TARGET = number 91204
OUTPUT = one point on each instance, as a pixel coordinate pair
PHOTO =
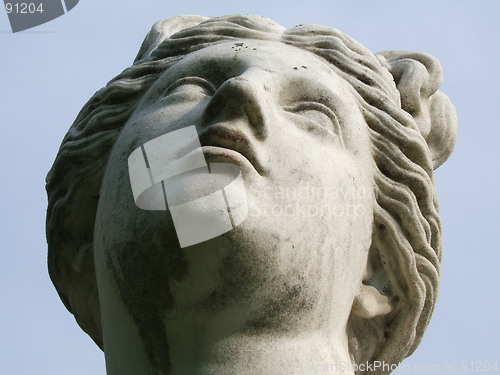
(24, 8)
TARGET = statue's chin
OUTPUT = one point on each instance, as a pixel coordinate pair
(246, 271)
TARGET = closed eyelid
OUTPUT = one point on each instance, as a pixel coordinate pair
(310, 105)
(197, 81)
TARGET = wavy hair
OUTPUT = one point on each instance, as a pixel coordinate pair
(412, 131)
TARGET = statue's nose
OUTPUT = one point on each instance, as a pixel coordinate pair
(239, 98)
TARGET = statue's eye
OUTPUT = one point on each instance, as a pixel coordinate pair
(317, 117)
(188, 89)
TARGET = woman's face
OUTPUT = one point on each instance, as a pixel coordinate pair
(295, 130)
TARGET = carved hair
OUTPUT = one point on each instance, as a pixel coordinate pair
(412, 129)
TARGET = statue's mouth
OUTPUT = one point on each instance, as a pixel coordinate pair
(205, 199)
(221, 143)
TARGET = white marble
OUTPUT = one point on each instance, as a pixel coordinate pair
(334, 267)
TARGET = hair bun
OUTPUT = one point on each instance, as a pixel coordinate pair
(418, 76)
(164, 29)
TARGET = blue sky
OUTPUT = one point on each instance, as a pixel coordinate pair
(49, 72)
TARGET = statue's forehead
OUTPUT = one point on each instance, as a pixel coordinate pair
(257, 52)
(287, 69)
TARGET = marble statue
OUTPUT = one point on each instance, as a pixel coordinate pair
(310, 161)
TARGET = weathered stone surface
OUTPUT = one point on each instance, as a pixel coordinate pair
(329, 254)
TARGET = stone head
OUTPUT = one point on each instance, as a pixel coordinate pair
(337, 147)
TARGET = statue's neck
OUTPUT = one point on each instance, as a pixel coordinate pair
(254, 334)
(261, 354)
(266, 354)
(222, 344)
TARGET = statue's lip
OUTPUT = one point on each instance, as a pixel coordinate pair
(216, 138)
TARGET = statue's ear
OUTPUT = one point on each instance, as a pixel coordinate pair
(164, 29)
(418, 76)
(81, 292)
(371, 311)
(370, 302)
